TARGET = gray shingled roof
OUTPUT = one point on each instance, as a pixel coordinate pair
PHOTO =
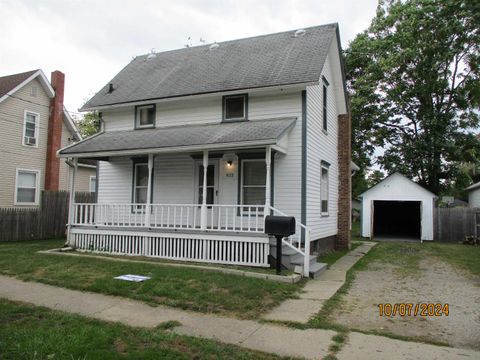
(9, 82)
(264, 131)
(262, 61)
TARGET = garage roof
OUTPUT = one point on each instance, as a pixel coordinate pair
(397, 174)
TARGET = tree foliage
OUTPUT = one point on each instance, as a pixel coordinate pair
(414, 81)
(90, 124)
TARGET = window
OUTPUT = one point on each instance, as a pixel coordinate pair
(324, 188)
(33, 91)
(210, 184)
(30, 129)
(140, 183)
(145, 116)
(325, 119)
(235, 107)
(253, 182)
(26, 192)
(93, 184)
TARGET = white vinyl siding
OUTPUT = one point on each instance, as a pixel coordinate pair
(27, 187)
(322, 146)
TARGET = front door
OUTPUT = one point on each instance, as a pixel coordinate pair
(212, 183)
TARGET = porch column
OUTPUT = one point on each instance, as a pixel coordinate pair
(149, 191)
(71, 201)
(268, 159)
(203, 213)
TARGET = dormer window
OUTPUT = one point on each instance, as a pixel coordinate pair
(235, 107)
(145, 116)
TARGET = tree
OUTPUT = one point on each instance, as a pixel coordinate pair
(90, 124)
(413, 76)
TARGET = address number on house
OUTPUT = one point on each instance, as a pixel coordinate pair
(411, 309)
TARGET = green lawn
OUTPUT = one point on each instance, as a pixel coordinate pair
(28, 332)
(186, 288)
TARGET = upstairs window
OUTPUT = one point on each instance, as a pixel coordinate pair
(30, 129)
(324, 191)
(325, 103)
(145, 116)
(235, 107)
(26, 192)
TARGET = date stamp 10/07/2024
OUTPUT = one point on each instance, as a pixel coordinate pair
(411, 309)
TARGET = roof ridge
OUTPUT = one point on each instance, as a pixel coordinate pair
(335, 24)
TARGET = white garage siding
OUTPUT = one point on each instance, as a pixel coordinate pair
(399, 188)
(474, 198)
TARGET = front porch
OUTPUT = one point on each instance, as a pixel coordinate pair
(202, 204)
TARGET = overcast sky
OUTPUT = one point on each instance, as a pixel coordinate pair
(91, 41)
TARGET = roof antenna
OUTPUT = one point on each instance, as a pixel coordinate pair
(152, 54)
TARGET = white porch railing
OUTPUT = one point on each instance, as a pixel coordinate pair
(227, 218)
(295, 241)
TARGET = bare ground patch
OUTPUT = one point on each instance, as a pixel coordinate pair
(431, 281)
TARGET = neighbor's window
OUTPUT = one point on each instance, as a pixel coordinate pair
(30, 129)
(26, 192)
(145, 116)
(235, 107)
(324, 188)
(140, 183)
(253, 182)
(93, 184)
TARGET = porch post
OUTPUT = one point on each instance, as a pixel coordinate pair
(149, 191)
(203, 213)
(268, 159)
(71, 201)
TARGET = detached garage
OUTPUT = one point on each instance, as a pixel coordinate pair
(397, 208)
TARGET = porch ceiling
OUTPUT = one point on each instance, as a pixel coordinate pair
(182, 138)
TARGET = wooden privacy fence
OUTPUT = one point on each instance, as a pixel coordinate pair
(453, 224)
(45, 222)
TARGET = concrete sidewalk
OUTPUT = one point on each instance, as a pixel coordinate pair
(284, 341)
(318, 290)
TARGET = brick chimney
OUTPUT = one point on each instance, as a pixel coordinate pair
(342, 240)
(52, 172)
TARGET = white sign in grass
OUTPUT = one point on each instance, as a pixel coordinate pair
(134, 278)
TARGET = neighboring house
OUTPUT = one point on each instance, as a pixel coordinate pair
(33, 126)
(397, 208)
(474, 195)
(200, 143)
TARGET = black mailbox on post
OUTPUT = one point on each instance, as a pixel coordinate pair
(280, 227)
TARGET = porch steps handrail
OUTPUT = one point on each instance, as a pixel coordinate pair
(298, 248)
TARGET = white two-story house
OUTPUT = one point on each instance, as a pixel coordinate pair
(200, 144)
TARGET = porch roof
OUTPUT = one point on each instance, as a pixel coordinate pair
(182, 138)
